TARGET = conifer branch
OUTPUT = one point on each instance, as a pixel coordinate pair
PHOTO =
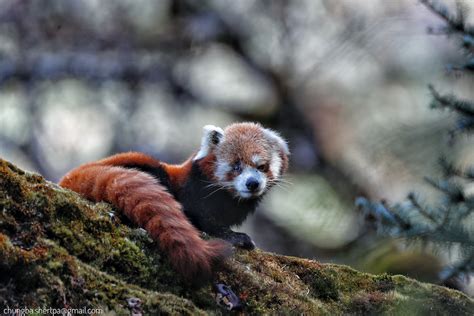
(455, 22)
(450, 170)
(463, 107)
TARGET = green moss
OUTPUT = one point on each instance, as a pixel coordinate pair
(322, 286)
(371, 303)
(56, 250)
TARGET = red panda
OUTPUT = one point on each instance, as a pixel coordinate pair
(217, 187)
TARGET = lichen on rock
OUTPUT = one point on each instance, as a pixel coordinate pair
(58, 250)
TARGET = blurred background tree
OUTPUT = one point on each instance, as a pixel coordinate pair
(449, 223)
(344, 81)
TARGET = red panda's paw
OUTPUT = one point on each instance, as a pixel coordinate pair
(243, 241)
(240, 240)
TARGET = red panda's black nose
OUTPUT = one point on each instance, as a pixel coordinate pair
(252, 184)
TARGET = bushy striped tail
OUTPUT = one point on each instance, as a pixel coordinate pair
(147, 203)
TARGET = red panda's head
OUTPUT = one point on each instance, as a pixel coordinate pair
(247, 159)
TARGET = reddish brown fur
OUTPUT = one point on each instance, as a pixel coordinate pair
(128, 158)
(147, 203)
(178, 173)
(284, 163)
(243, 141)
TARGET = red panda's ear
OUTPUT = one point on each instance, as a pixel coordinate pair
(279, 163)
(277, 140)
(212, 136)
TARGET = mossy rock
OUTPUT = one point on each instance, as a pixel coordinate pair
(58, 250)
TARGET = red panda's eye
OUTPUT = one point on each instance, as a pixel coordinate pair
(263, 168)
(236, 166)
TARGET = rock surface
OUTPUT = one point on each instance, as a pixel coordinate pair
(59, 250)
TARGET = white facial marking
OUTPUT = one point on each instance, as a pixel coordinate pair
(222, 169)
(275, 165)
(240, 182)
(207, 142)
(256, 159)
